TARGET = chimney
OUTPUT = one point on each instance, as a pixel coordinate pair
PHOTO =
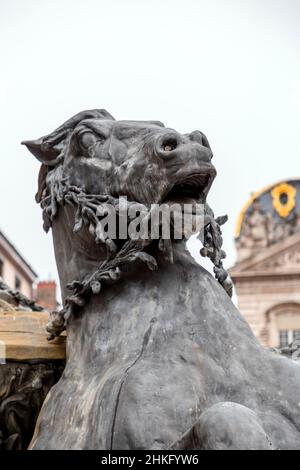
(46, 295)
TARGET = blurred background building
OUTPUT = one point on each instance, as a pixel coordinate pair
(14, 270)
(267, 272)
(19, 275)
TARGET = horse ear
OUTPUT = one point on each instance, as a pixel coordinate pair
(44, 152)
(47, 148)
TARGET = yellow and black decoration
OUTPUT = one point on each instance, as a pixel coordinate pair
(284, 199)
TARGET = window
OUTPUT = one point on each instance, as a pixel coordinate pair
(284, 338)
(296, 335)
(1, 267)
(287, 337)
(283, 321)
(18, 283)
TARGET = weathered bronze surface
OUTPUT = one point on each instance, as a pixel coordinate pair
(160, 359)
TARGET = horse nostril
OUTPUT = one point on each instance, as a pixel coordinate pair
(169, 144)
(199, 137)
(196, 136)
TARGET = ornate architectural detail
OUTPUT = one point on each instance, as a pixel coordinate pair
(270, 218)
(288, 261)
(256, 229)
(284, 199)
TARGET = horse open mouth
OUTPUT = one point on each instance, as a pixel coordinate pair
(192, 188)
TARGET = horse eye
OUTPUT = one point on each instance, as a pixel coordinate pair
(87, 140)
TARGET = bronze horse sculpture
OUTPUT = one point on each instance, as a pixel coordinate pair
(158, 357)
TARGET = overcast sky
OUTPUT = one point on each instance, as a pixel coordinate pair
(230, 68)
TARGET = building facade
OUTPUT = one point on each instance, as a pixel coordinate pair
(267, 272)
(14, 270)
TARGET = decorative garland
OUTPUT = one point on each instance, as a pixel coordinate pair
(90, 210)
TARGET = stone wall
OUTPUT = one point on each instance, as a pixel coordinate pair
(257, 297)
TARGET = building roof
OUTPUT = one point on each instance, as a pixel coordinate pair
(16, 256)
(265, 196)
(271, 216)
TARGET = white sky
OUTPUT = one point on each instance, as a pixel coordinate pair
(230, 68)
